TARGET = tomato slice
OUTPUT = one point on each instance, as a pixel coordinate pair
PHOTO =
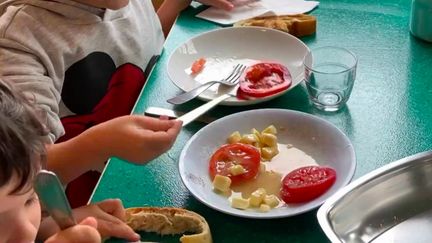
(264, 79)
(198, 65)
(229, 155)
(307, 183)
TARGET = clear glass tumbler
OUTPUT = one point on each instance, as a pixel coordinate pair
(329, 75)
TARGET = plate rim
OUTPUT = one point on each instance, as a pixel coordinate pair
(332, 201)
(346, 181)
(232, 28)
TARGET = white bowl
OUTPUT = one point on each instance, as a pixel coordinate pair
(315, 136)
(234, 44)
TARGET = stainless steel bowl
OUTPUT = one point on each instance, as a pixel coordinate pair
(390, 204)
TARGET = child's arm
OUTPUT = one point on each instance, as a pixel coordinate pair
(170, 9)
(84, 232)
(110, 216)
(23, 67)
(138, 139)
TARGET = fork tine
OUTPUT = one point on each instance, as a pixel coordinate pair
(238, 73)
(231, 80)
(233, 72)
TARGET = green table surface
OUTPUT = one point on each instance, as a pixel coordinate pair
(388, 117)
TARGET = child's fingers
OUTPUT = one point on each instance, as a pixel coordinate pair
(118, 229)
(77, 234)
(222, 4)
(168, 135)
(154, 124)
(113, 207)
(175, 129)
(164, 117)
(89, 221)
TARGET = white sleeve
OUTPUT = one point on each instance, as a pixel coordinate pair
(26, 72)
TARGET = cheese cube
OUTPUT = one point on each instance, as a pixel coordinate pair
(269, 139)
(256, 133)
(270, 129)
(240, 203)
(222, 183)
(257, 197)
(264, 208)
(237, 170)
(267, 153)
(249, 139)
(234, 137)
(271, 200)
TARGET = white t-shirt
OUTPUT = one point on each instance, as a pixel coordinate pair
(47, 44)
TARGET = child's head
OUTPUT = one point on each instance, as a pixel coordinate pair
(22, 153)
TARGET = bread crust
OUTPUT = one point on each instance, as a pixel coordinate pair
(167, 220)
(298, 25)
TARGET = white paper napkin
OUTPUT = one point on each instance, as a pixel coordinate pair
(249, 9)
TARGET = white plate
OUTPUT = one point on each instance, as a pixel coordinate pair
(315, 136)
(229, 46)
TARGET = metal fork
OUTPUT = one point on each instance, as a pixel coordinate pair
(231, 80)
(197, 112)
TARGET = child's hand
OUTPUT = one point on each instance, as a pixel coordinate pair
(182, 4)
(110, 216)
(84, 232)
(222, 4)
(136, 138)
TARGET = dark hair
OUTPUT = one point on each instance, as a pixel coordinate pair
(22, 136)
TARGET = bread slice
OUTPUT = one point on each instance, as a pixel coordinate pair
(166, 221)
(297, 25)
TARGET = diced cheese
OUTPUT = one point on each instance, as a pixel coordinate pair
(222, 183)
(267, 153)
(257, 197)
(264, 208)
(234, 137)
(249, 139)
(256, 133)
(269, 139)
(270, 129)
(240, 203)
(271, 200)
(237, 170)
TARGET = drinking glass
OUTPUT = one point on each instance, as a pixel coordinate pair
(329, 75)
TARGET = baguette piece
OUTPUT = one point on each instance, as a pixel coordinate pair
(167, 220)
(298, 25)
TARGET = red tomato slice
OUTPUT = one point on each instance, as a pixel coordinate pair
(198, 65)
(307, 183)
(229, 155)
(264, 79)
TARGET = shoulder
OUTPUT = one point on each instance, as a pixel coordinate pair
(8, 17)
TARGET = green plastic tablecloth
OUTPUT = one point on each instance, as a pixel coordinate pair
(388, 117)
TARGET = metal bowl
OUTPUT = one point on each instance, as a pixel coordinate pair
(390, 204)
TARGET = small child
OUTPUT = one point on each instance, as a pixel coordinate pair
(85, 62)
(22, 155)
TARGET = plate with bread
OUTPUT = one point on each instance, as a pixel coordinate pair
(214, 54)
